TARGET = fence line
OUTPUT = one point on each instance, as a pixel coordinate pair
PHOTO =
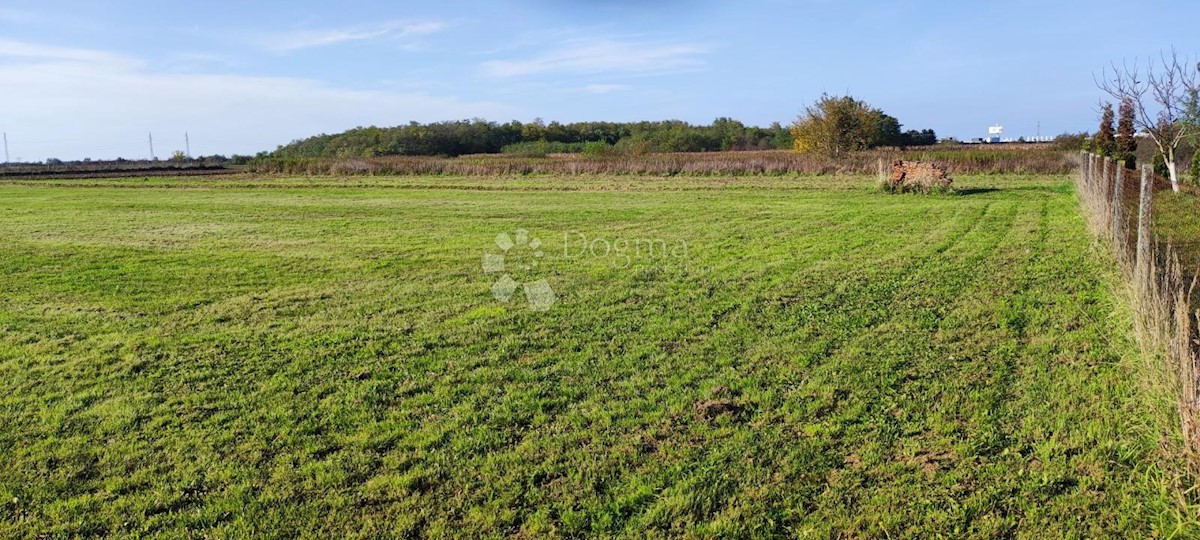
(1162, 291)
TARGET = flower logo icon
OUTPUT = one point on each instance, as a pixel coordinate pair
(518, 253)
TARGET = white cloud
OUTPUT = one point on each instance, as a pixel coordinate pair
(73, 103)
(33, 51)
(284, 42)
(603, 56)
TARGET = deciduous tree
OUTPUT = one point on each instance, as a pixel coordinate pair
(836, 126)
(1160, 95)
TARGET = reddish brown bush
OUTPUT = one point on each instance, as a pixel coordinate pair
(1028, 159)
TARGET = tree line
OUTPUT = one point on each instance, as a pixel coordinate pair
(478, 136)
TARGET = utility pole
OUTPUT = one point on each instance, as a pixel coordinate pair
(6, 147)
(187, 146)
(152, 158)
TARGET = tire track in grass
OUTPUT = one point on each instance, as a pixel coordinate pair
(879, 288)
(921, 370)
(998, 499)
(933, 270)
(1069, 420)
(652, 475)
(968, 281)
(877, 292)
(989, 485)
(830, 301)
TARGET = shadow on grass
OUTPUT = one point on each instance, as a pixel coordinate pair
(977, 191)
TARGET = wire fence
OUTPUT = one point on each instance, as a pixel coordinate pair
(1119, 206)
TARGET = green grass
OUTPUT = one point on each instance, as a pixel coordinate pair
(325, 360)
(1175, 222)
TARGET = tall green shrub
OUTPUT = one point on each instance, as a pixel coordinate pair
(1106, 141)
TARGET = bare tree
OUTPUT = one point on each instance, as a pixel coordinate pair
(1159, 95)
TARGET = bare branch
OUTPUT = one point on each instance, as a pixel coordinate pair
(1166, 85)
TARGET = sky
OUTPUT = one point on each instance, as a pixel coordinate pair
(95, 79)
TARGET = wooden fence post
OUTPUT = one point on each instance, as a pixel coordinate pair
(1086, 169)
(1142, 255)
(1106, 193)
(1091, 169)
(1118, 225)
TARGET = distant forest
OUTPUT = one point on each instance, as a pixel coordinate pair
(477, 136)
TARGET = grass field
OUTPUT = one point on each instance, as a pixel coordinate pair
(328, 359)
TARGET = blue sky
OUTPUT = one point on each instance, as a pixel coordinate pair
(92, 79)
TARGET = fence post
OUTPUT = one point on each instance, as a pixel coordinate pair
(1142, 255)
(1106, 193)
(1087, 169)
(1091, 169)
(1118, 225)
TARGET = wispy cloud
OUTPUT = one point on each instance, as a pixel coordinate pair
(284, 42)
(112, 100)
(10, 49)
(603, 56)
(195, 61)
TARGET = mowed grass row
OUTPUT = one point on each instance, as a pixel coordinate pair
(797, 363)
